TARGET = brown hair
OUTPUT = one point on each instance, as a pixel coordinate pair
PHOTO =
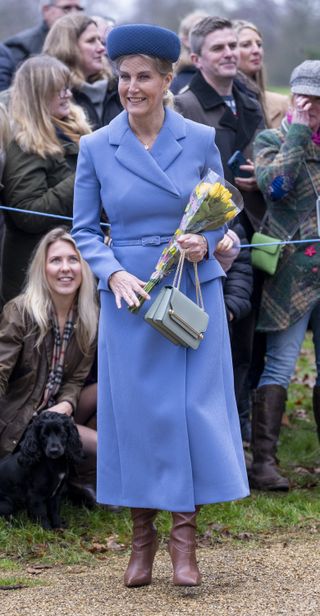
(204, 27)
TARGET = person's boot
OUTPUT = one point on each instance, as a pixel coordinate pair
(182, 549)
(267, 411)
(144, 547)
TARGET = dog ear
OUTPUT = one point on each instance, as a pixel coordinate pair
(30, 451)
(74, 446)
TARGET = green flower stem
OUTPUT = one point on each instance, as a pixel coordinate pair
(148, 288)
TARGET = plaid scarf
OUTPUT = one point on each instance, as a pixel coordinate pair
(60, 344)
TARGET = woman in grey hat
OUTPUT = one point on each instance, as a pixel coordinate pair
(168, 428)
(287, 162)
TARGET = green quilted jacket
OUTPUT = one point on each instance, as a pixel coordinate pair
(289, 193)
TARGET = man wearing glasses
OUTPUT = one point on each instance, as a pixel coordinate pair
(30, 42)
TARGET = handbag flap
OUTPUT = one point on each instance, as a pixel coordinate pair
(261, 238)
(155, 315)
(178, 318)
(188, 314)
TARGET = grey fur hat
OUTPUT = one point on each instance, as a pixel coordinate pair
(305, 78)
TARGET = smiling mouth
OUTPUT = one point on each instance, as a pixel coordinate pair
(135, 100)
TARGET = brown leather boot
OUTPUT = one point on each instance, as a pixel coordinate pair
(144, 547)
(267, 411)
(182, 549)
(316, 407)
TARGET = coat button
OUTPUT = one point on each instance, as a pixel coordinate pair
(14, 442)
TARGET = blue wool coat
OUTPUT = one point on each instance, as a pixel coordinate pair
(168, 430)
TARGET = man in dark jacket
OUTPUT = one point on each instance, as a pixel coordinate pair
(6, 67)
(213, 98)
(30, 42)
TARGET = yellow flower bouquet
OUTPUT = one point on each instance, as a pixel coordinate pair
(213, 203)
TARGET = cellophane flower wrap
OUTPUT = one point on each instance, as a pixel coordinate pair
(213, 202)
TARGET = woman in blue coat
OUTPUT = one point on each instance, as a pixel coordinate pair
(168, 431)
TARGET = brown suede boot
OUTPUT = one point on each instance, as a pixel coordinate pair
(182, 549)
(267, 411)
(144, 547)
(316, 407)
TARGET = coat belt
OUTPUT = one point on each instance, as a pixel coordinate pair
(152, 240)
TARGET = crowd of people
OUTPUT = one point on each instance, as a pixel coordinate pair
(111, 124)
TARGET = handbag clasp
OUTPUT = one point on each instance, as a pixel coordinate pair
(176, 317)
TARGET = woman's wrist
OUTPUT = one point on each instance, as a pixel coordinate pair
(111, 276)
(206, 246)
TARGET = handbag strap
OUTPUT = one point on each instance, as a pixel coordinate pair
(298, 225)
(177, 278)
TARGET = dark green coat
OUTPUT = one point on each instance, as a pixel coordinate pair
(283, 179)
(39, 184)
(24, 373)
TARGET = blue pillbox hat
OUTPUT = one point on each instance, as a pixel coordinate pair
(144, 39)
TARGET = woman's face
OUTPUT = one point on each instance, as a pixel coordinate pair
(59, 106)
(91, 50)
(251, 51)
(63, 270)
(141, 87)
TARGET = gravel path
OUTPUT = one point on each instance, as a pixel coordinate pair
(272, 579)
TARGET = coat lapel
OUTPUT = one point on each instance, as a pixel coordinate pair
(150, 166)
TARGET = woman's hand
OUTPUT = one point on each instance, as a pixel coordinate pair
(194, 245)
(225, 245)
(127, 286)
(247, 184)
(65, 408)
(300, 111)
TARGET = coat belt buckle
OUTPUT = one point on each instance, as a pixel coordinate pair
(153, 240)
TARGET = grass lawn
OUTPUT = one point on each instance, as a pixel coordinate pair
(92, 535)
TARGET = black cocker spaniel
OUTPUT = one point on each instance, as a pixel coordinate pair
(34, 475)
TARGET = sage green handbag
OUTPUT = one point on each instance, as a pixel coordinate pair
(177, 317)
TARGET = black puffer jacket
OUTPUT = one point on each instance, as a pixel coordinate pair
(238, 284)
(111, 105)
(6, 67)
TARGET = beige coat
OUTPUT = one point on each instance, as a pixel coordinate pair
(276, 108)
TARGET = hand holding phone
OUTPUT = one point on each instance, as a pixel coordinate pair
(235, 161)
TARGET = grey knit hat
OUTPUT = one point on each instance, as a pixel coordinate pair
(305, 78)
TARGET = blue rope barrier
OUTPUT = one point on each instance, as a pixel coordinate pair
(105, 224)
(284, 243)
(45, 214)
